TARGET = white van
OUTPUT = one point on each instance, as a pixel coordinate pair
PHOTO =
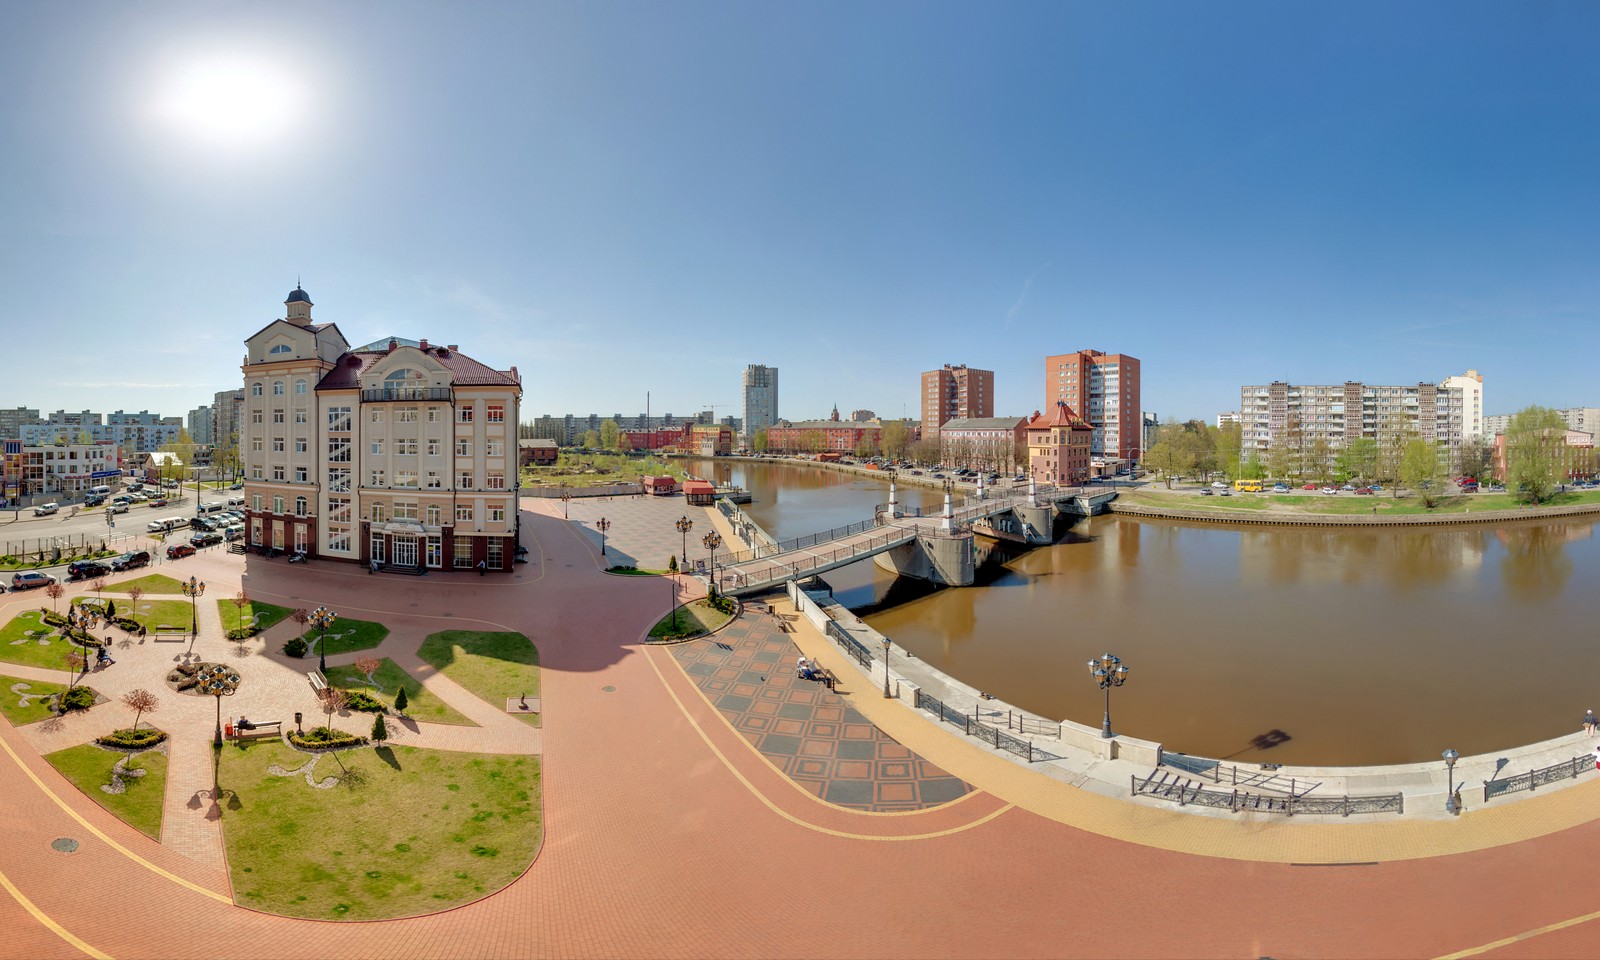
(233, 531)
(236, 501)
(170, 523)
(99, 491)
(46, 509)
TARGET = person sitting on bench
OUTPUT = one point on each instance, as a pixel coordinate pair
(105, 658)
(245, 724)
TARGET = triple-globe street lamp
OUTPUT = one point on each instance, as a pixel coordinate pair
(217, 680)
(1108, 671)
(713, 540)
(684, 525)
(322, 618)
(193, 590)
(602, 525)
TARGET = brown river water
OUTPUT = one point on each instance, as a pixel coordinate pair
(1284, 644)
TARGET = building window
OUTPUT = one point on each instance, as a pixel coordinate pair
(300, 387)
(405, 415)
(338, 451)
(255, 389)
(280, 348)
(464, 414)
(277, 445)
(377, 414)
(495, 413)
(433, 480)
(277, 474)
(406, 447)
(462, 559)
(378, 512)
(377, 448)
(299, 506)
(277, 416)
(433, 414)
(405, 510)
(433, 515)
(433, 448)
(300, 445)
(339, 540)
(277, 388)
(377, 479)
(497, 513)
(338, 510)
(377, 548)
(255, 530)
(463, 448)
(495, 480)
(255, 416)
(299, 416)
(494, 448)
(255, 501)
(255, 444)
(300, 475)
(463, 513)
(405, 478)
(277, 504)
(464, 480)
(338, 419)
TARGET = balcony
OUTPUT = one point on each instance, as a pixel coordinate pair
(387, 394)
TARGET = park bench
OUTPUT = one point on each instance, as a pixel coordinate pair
(259, 728)
(318, 681)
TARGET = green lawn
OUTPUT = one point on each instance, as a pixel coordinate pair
(594, 469)
(149, 583)
(233, 615)
(139, 805)
(1345, 503)
(495, 666)
(420, 704)
(20, 709)
(412, 831)
(16, 646)
(693, 619)
(346, 636)
(157, 613)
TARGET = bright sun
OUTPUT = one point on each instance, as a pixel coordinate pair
(228, 102)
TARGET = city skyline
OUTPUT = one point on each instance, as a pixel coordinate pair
(843, 192)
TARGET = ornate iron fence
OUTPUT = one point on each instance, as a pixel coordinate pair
(1186, 792)
(855, 648)
(972, 727)
(1534, 779)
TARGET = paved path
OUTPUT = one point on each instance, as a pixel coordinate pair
(669, 835)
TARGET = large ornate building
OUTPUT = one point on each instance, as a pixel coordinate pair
(399, 452)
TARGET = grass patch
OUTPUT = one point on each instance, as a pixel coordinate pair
(157, 613)
(495, 666)
(693, 619)
(19, 709)
(594, 469)
(635, 572)
(139, 805)
(411, 831)
(233, 616)
(19, 642)
(345, 636)
(149, 583)
(420, 704)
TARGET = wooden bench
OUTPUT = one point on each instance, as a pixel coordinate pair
(259, 728)
(318, 681)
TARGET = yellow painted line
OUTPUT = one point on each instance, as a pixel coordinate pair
(799, 789)
(141, 861)
(1519, 938)
(47, 923)
(767, 802)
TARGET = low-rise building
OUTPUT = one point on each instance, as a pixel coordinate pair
(1573, 449)
(69, 469)
(1059, 446)
(536, 453)
(984, 443)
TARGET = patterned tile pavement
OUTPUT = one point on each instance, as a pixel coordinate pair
(809, 733)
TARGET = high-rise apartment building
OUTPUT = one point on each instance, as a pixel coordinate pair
(955, 392)
(760, 398)
(200, 425)
(1470, 386)
(1586, 419)
(1300, 416)
(12, 421)
(399, 452)
(227, 408)
(1104, 389)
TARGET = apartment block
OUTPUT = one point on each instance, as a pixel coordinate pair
(760, 384)
(1470, 386)
(1301, 415)
(14, 418)
(1104, 389)
(399, 452)
(955, 392)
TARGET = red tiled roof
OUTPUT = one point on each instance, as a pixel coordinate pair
(464, 371)
(698, 486)
(1060, 416)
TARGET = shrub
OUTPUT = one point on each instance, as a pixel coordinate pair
(53, 619)
(132, 738)
(380, 732)
(293, 647)
(325, 738)
(357, 700)
(400, 701)
(188, 683)
(78, 698)
(241, 633)
(188, 669)
(127, 625)
(721, 604)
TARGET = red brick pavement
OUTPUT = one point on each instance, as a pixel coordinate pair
(666, 836)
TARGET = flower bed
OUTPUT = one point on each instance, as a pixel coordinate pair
(132, 739)
(360, 700)
(325, 738)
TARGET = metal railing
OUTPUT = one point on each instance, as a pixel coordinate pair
(795, 567)
(1534, 779)
(800, 543)
(386, 394)
(1214, 771)
(973, 727)
(60, 548)
(855, 648)
(1162, 785)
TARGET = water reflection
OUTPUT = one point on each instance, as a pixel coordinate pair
(1356, 645)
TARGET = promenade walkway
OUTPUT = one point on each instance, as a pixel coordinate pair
(670, 835)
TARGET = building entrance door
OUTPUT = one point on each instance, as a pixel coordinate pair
(405, 551)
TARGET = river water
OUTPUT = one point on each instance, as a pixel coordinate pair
(1284, 644)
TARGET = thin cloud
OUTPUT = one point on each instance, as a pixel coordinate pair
(1022, 298)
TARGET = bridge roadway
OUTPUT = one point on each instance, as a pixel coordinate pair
(766, 567)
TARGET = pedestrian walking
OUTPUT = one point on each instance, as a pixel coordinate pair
(1590, 722)
(482, 566)
(1597, 757)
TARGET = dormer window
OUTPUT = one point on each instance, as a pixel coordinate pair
(281, 348)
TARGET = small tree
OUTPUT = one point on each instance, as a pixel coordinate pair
(400, 701)
(76, 660)
(54, 591)
(134, 593)
(380, 732)
(333, 700)
(140, 701)
(99, 586)
(368, 666)
(111, 610)
(239, 600)
(1419, 468)
(672, 564)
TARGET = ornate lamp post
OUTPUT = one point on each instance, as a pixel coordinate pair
(886, 695)
(78, 619)
(684, 525)
(193, 589)
(566, 498)
(217, 680)
(1108, 671)
(713, 540)
(602, 525)
(322, 618)
(1450, 758)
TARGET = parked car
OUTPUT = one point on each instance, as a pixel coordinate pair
(1363, 491)
(1207, 492)
(28, 579)
(1225, 492)
(116, 508)
(237, 486)
(1280, 488)
(160, 502)
(1309, 486)
(46, 509)
(206, 539)
(180, 550)
(1376, 488)
(1218, 485)
(1330, 490)
(1348, 487)
(84, 569)
(137, 497)
(94, 501)
(124, 499)
(131, 559)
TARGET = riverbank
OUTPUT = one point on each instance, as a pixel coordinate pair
(1289, 509)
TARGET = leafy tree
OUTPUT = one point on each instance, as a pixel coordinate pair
(1163, 458)
(1535, 446)
(1319, 460)
(1393, 435)
(1475, 458)
(591, 439)
(141, 702)
(1281, 457)
(380, 732)
(1419, 468)
(54, 591)
(1229, 442)
(758, 443)
(400, 701)
(894, 438)
(367, 666)
(1359, 458)
(1253, 468)
(609, 432)
(864, 448)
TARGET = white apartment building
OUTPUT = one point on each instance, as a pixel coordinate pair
(1270, 414)
(69, 469)
(1586, 419)
(1223, 419)
(399, 452)
(760, 398)
(1470, 384)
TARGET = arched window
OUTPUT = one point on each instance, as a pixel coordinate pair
(299, 506)
(255, 389)
(277, 388)
(299, 387)
(405, 373)
(281, 348)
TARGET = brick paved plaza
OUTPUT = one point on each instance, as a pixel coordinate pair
(698, 803)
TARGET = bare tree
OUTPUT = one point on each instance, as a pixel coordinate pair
(54, 591)
(239, 600)
(368, 666)
(333, 700)
(140, 701)
(76, 661)
(99, 587)
(134, 593)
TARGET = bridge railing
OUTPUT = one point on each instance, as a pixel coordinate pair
(794, 567)
(800, 543)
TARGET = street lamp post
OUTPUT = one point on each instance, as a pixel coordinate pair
(602, 525)
(217, 680)
(684, 525)
(566, 498)
(886, 695)
(193, 589)
(1450, 758)
(713, 540)
(322, 618)
(1108, 671)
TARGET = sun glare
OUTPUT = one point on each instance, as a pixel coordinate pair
(229, 103)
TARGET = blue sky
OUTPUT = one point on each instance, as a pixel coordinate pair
(648, 196)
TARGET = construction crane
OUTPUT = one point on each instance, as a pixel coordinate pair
(713, 408)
